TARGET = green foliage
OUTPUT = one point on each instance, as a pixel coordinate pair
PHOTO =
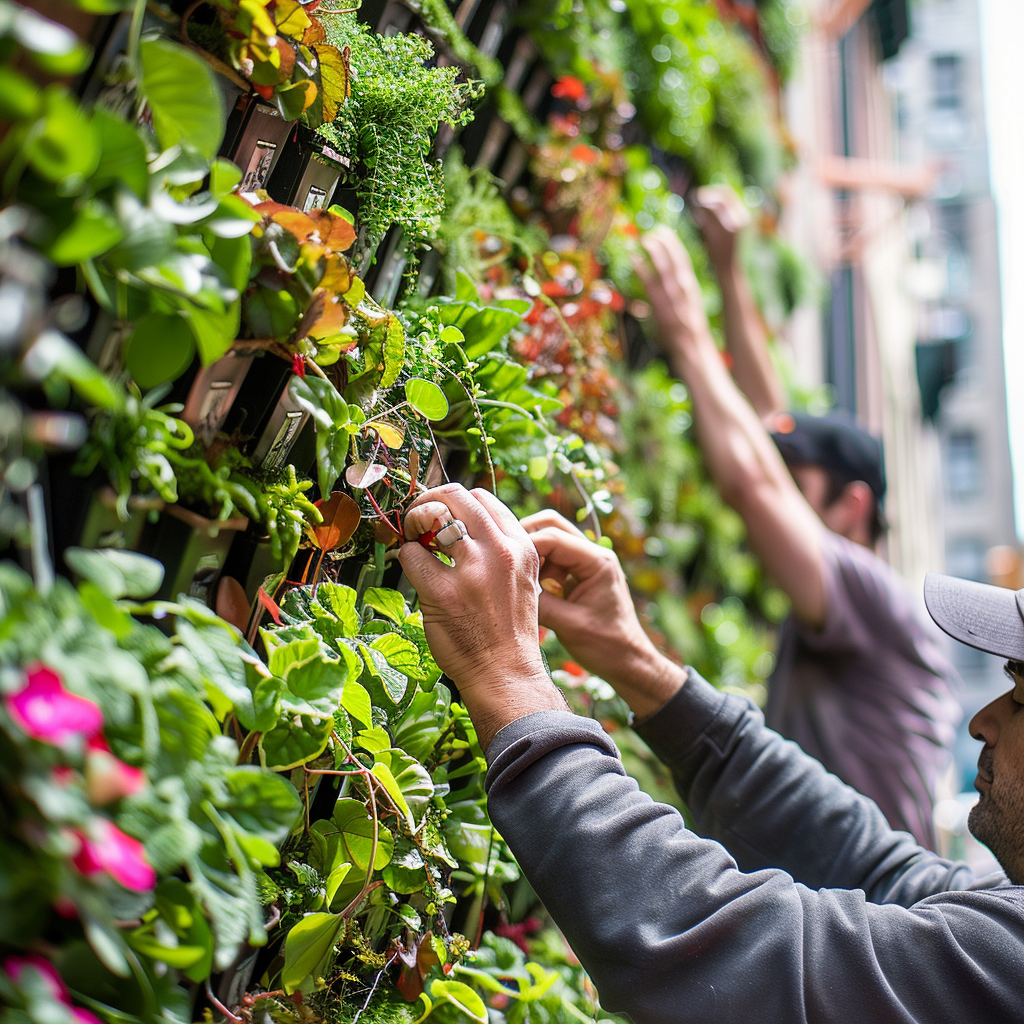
(387, 129)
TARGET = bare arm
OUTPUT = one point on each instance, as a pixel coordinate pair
(783, 530)
(721, 217)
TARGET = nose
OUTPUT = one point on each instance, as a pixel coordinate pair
(985, 724)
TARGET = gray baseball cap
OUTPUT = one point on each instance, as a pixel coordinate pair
(977, 614)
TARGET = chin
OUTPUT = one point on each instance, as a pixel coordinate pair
(980, 826)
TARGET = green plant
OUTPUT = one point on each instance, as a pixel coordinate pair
(387, 129)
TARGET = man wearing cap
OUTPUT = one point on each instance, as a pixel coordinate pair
(796, 902)
(861, 679)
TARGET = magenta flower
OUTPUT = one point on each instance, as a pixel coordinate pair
(108, 849)
(48, 712)
(15, 967)
(107, 778)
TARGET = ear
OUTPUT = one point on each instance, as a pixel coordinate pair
(853, 511)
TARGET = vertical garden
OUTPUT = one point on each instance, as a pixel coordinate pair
(268, 269)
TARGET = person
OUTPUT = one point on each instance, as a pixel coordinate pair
(799, 903)
(861, 680)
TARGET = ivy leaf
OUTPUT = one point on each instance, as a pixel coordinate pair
(393, 683)
(412, 779)
(401, 653)
(308, 950)
(426, 398)
(355, 833)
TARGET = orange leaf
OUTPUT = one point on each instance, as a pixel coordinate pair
(338, 276)
(296, 222)
(270, 604)
(341, 517)
(331, 320)
(334, 230)
(316, 33)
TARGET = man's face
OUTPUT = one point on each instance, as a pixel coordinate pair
(813, 484)
(997, 820)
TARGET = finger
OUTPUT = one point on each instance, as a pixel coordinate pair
(575, 555)
(462, 505)
(424, 570)
(560, 615)
(425, 518)
(502, 515)
(548, 517)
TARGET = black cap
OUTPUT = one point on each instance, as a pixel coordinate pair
(834, 443)
(977, 614)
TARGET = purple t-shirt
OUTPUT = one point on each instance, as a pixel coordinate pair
(871, 695)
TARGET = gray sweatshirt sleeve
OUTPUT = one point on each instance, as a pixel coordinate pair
(671, 930)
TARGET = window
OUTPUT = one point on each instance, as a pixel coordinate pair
(946, 73)
(965, 557)
(963, 468)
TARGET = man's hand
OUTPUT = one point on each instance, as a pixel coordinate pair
(596, 620)
(721, 216)
(673, 291)
(480, 614)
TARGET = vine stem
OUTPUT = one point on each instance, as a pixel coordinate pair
(247, 747)
(219, 1005)
(373, 987)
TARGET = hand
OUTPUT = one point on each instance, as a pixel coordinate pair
(596, 620)
(721, 216)
(480, 614)
(673, 290)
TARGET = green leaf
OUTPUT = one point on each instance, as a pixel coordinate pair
(374, 739)
(159, 349)
(426, 398)
(192, 116)
(355, 834)
(394, 351)
(356, 701)
(330, 412)
(382, 773)
(117, 573)
(93, 231)
(19, 97)
(308, 950)
(234, 257)
(334, 880)
(340, 601)
(461, 996)
(392, 683)
(401, 654)
(63, 145)
(122, 154)
(213, 330)
(295, 741)
(390, 603)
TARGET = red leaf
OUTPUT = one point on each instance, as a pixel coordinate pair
(341, 517)
(270, 604)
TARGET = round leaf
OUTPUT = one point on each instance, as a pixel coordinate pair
(159, 349)
(426, 398)
(365, 474)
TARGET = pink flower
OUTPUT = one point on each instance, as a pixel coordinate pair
(15, 967)
(48, 712)
(120, 856)
(107, 778)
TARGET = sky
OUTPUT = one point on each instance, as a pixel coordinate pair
(1002, 27)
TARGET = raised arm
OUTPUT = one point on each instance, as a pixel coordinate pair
(721, 217)
(782, 529)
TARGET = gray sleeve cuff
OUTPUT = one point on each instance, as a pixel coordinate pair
(529, 738)
(697, 711)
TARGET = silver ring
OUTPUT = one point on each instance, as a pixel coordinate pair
(451, 533)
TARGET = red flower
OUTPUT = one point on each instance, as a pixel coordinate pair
(569, 88)
(585, 154)
(48, 712)
(298, 365)
(108, 849)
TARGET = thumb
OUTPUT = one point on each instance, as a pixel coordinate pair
(421, 567)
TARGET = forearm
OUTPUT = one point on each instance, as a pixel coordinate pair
(500, 696)
(672, 933)
(747, 342)
(738, 451)
(762, 797)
